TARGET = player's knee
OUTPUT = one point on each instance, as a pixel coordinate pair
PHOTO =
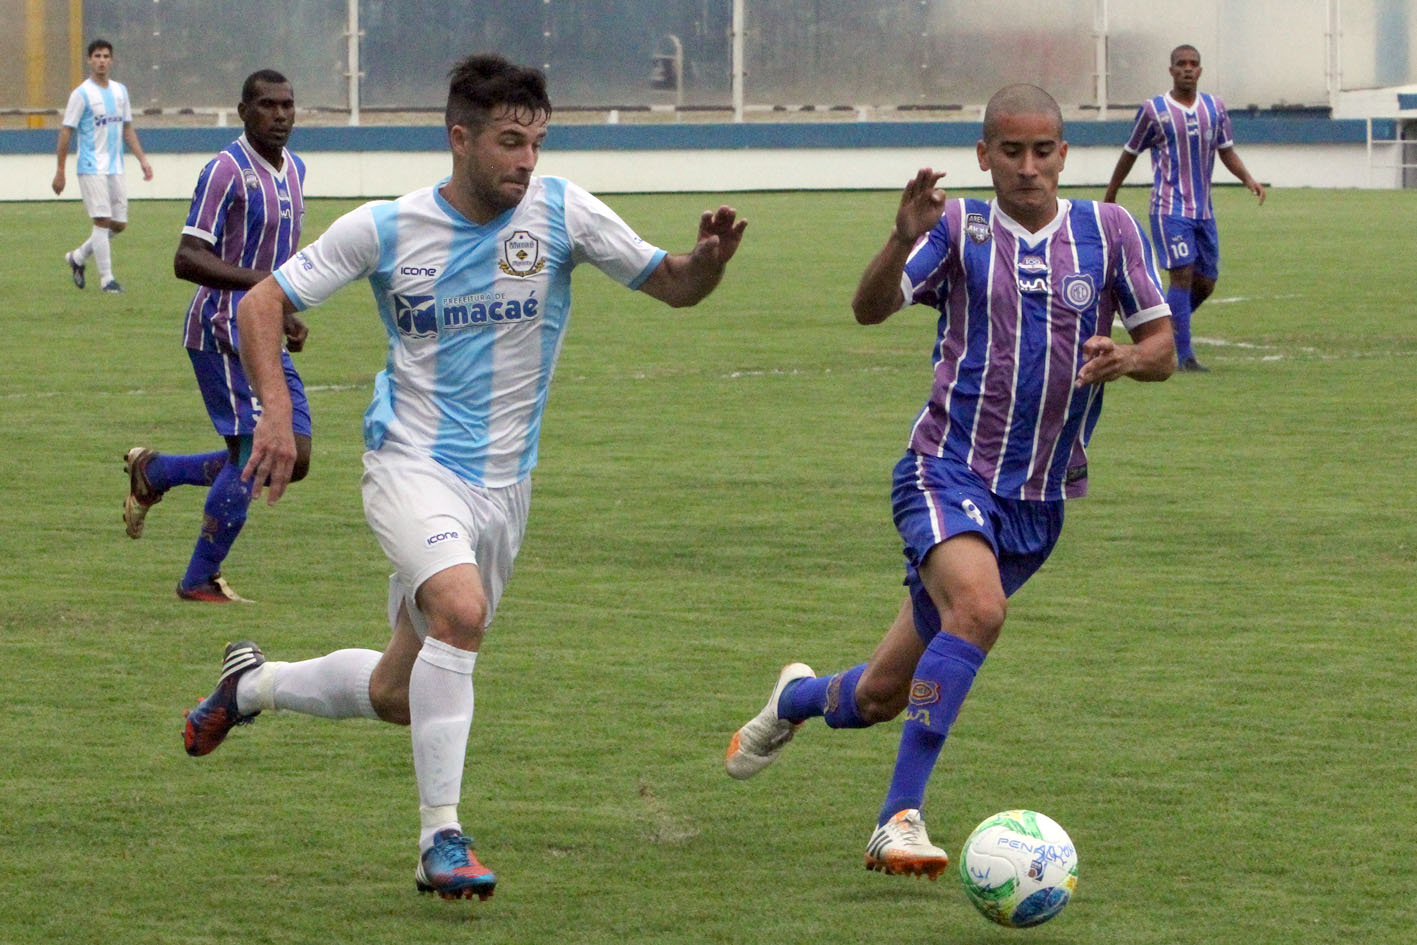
(460, 623)
(115, 227)
(389, 699)
(877, 703)
(979, 618)
(1201, 289)
(302, 459)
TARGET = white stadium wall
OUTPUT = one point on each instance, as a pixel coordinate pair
(386, 161)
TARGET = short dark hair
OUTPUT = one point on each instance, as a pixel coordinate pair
(482, 83)
(99, 43)
(1185, 46)
(268, 76)
(1019, 100)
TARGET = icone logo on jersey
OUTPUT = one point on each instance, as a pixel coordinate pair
(489, 308)
(418, 270)
(415, 316)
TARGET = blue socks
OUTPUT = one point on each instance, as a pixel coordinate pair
(1180, 302)
(197, 469)
(832, 697)
(942, 680)
(225, 514)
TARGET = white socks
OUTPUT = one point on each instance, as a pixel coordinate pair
(440, 714)
(98, 244)
(335, 686)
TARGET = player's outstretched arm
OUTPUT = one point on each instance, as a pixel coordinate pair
(878, 293)
(686, 279)
(1234, 165)
(260, 320)
(1125, 163)
(1150, 357)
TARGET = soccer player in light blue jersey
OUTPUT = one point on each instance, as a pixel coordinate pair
(243, 222)
(1026, 288)
(1185, 130)
(471, 280)
(100, 111)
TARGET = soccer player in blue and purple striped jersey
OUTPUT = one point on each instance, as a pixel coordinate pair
(1027, 287)
(244, 221)
(1185, 130)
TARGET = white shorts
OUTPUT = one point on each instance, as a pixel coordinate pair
(105, 196)
(427, 520)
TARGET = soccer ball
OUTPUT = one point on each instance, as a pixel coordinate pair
(1019, 868)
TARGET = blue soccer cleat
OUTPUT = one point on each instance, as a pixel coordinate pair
(217, 714)
(76, 270)
(450, 868)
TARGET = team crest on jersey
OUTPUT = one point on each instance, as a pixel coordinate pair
(248, 175)
(521, 255)
(976, 227)
(1079, 292)
(415, 315)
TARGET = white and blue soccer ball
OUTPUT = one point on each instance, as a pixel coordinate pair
(1019, 868)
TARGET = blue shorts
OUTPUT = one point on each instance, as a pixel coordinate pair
(1182, 241)
(230, 402)
(935, 499)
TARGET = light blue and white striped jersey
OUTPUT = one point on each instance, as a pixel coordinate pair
(99, 113)
(1015, 308)
(475, 314)
(1183, 143)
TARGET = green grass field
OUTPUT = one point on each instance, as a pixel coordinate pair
(1209, 685)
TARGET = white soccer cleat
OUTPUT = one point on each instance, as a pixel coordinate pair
(758, 743)
(901, 847)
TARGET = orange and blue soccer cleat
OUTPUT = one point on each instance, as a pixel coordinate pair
(217, 714)
(450, 868)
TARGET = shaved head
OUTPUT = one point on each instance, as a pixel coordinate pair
(1019, 100)
(1185, 48)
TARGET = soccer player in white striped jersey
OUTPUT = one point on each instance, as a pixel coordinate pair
(102, 114)
(1026, 288)
(1185, 130)
(471, 279)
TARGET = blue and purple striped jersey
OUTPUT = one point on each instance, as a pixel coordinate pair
(1015, 308)
(251, 214)
(1183, 143)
